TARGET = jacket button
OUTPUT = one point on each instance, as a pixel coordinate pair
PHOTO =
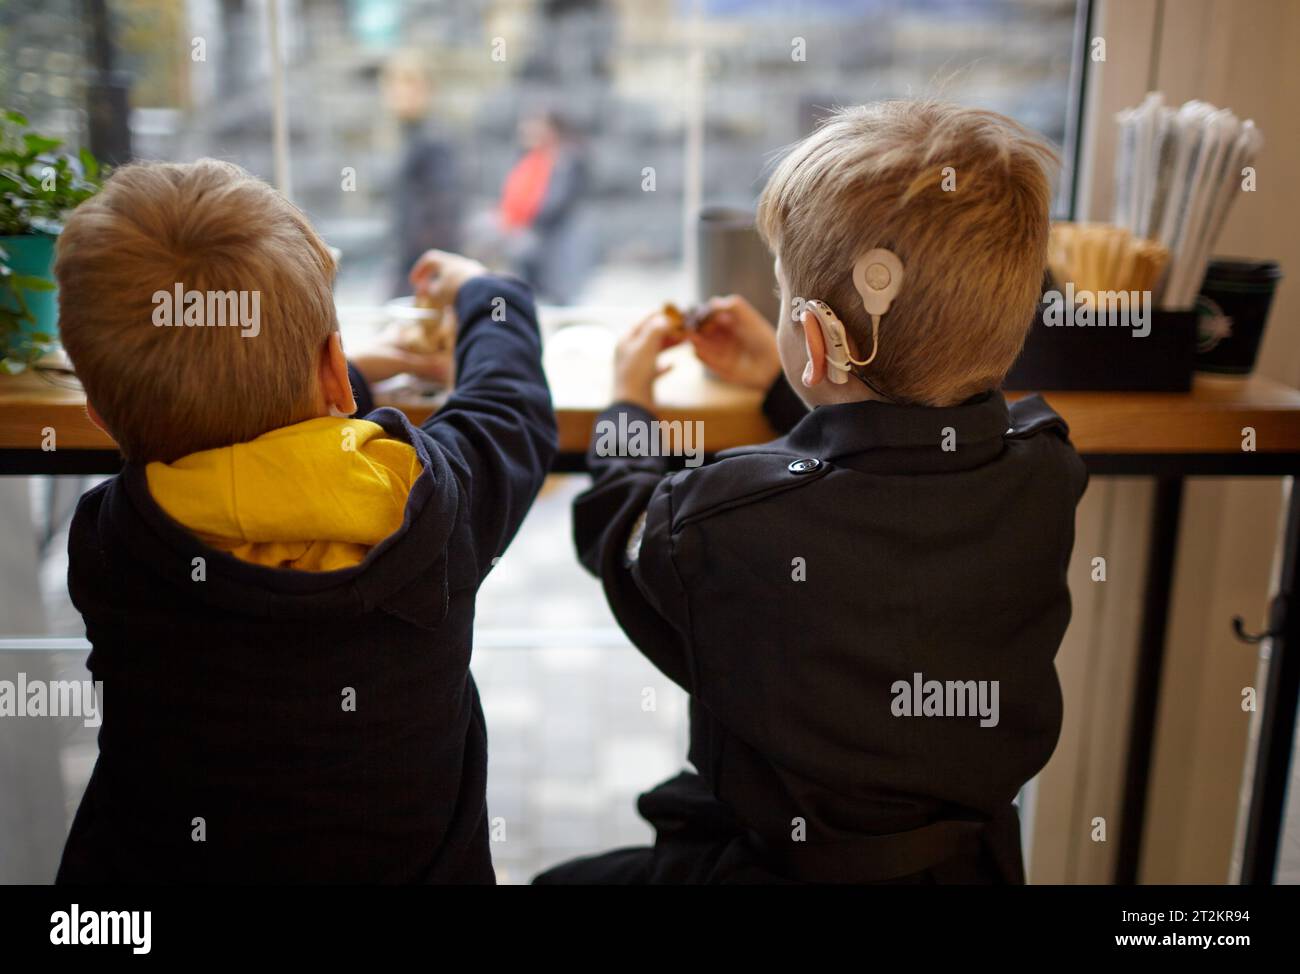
(804, 466)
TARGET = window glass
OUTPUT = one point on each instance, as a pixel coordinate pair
(574, 140)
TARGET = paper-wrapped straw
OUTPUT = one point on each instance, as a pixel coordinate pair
(1176, 176)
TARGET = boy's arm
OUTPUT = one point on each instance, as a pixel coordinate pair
(622, 529)
(497, 428)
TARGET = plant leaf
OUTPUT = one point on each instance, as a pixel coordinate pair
(89, 164)
(29, 283)
(39, 144)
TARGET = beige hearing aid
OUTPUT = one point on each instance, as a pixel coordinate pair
(837, 351)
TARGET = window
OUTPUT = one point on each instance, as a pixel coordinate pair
(405, 117)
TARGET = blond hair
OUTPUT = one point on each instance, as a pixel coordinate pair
(972, 238)
(164, 392)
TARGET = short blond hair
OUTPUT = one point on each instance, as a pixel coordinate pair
(972, 239)
(210, 226)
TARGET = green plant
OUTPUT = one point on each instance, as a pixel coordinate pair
(39, 185)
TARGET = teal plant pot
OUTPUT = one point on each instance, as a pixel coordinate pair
(32, 254)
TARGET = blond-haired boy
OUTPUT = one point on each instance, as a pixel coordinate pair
(280, 598)
(865, 611)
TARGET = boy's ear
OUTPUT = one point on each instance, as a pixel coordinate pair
(95, 418)
(336, 388)
(815, 344)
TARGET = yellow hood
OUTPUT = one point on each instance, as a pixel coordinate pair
(315, 496)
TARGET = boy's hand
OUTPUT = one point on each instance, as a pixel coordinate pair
(439, 274)
(737, 343)
(636, 356)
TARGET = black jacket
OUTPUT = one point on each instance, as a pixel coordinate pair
(790, 586)
(223, 698)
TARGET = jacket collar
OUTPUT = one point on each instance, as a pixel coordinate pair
(881, 436)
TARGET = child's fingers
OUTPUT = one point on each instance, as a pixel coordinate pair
(657, 330)
(710, 363)
(427, 268)
(639, 331)
(422, 269)
(713, 355)
(718, 324)
(646, 337)
(714, 341)
(702, 341)
(732, 305)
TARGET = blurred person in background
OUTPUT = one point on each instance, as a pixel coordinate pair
(537, 228)
(427, 192)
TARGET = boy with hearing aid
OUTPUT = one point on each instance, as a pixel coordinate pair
(864, 611)
(280, 598)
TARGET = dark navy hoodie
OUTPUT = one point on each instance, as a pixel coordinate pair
(226, 753)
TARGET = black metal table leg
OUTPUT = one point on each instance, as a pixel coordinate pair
(1150, 665)
(1267, 813)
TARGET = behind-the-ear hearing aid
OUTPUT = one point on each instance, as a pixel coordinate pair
(878, 277)
(837, 349)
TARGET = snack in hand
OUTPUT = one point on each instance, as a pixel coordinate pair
(683, 322)
(432, 333)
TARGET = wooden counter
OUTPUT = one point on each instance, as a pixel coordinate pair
(1209, 419)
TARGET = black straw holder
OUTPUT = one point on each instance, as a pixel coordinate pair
(1106, 357)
